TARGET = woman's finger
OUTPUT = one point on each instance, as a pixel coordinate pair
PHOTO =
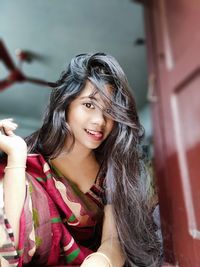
(7, 127)
(8, 123)
(9, 132)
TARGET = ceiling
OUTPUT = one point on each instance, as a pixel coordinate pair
(58, 30)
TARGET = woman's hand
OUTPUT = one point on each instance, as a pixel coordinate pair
(13, 145)
(3, 262)
(97, 260)
(14, 180)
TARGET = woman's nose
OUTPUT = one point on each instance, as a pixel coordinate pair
(99, 118)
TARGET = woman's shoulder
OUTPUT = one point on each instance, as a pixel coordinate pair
(35, 159)
(36, 164)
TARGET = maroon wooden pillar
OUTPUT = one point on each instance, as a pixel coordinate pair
(173, 41)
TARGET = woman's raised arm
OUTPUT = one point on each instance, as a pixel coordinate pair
(14, 177)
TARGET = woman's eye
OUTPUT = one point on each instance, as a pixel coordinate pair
(89, 105)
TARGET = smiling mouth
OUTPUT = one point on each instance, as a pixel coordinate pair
(97, 135)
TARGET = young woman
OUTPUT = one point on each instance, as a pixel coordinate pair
(79, 198)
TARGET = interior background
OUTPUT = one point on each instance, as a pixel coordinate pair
(58, 30)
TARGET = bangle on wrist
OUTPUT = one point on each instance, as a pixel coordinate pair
(15, 167)
(102, 255)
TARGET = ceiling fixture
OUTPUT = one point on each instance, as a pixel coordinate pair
(16, 74)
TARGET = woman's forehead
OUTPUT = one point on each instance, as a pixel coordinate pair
(91, 91)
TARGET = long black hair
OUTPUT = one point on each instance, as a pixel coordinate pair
(126, 188)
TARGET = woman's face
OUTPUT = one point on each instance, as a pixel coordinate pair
(87, 121)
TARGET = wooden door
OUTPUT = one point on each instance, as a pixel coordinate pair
(173, 41)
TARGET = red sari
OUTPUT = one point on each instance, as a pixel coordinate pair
(59, 224)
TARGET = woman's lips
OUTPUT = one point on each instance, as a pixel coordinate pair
(96, 135)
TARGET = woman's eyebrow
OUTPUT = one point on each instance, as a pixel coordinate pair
(89, 96)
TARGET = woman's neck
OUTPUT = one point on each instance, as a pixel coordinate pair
(78, 153)
(79, 165)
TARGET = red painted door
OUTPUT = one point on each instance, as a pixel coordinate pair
(173, 42)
